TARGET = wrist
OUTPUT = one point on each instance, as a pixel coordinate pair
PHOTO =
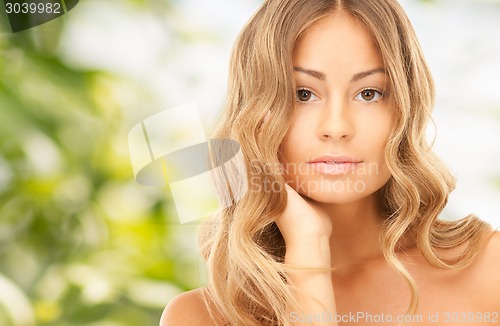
(314, 252)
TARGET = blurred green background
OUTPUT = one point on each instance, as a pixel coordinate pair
(81, 243)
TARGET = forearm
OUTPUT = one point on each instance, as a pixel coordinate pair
(314, 289)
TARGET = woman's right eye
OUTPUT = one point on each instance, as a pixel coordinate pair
(304, 95)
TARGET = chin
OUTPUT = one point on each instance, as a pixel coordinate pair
(334, 197)
(337, 192)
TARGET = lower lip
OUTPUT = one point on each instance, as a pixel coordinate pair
(334, 168)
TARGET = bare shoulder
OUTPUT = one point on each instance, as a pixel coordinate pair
(490, 255)
(486, 269)
(187, 308)
(495, 240)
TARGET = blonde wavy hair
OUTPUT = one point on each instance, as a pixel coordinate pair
(243, 248)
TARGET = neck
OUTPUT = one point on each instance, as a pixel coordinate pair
(356, 229)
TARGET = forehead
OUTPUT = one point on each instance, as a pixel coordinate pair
(337, 40)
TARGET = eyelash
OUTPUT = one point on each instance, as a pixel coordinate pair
(375, 89)
(300, 90)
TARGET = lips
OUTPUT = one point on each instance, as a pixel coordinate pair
(335, 159)
(334, 164)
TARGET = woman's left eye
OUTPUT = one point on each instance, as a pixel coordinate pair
(370, 95)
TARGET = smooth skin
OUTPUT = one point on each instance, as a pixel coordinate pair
(344, 108)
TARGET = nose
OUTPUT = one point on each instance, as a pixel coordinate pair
(336, 122)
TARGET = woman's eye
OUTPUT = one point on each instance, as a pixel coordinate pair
(369, 95)
(305, 95)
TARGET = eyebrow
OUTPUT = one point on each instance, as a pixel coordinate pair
(321, 76)
(313, 73)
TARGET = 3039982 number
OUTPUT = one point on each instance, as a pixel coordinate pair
(32, 8)
(471, 317)
(27, 14)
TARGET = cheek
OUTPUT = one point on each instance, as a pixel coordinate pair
(295, 141)
(376, 131)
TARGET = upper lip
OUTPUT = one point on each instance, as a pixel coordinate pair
(334, 158)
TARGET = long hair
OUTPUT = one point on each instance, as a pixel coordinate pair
(243, 248)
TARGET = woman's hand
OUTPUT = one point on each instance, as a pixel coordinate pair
(302, 220)
(306, 229)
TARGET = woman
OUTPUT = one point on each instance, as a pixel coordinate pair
(329, 101)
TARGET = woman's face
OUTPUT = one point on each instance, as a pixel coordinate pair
(334, 149)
